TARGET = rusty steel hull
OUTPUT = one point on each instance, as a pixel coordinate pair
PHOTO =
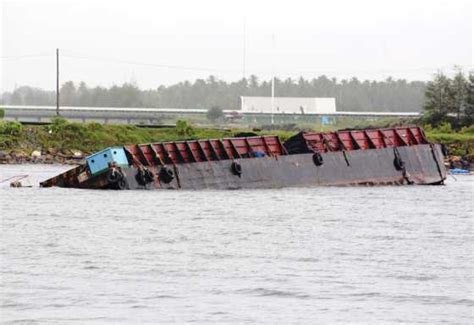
(423, 165)
(401, 155)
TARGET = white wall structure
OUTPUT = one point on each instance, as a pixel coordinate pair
(288, 105)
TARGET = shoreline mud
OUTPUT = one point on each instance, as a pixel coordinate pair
(37, 157)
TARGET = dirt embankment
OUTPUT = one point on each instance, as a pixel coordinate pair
(38, 157)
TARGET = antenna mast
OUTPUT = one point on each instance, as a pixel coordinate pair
(57, 82)
(244, 48)
(273, 78)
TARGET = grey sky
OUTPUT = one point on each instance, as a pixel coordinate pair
(99, 40)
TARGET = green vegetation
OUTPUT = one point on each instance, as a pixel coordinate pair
(65, 136)
(460, 143)
(11, 128)
(2, 113)
(449, 112)
(184, 129)
(450, 100)
(90, 137)
(214, 114)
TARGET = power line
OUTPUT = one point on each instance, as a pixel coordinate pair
(303, 71)
(395, 70)
(75, 55)
(30, 56)
(157, 65)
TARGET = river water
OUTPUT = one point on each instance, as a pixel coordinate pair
(325, 255)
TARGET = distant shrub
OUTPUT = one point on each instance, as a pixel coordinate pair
(58, 124)
(2, 113)
(467, 129)
(183, 129)
(214, 113)
(444, 128)
(75, 130)
(427, 128)
(10, 127)
(94, 126)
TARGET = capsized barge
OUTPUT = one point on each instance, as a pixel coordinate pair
(391, 156)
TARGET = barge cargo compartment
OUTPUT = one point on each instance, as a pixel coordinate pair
(390, 156)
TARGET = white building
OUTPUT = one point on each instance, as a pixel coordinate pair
(288, 105)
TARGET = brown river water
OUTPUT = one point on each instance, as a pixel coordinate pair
(325, 255)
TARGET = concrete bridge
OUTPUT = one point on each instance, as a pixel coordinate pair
(146, 116)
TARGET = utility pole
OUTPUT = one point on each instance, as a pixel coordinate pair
(273, 96)
(57, 82)
(273, 78)
(244, 47)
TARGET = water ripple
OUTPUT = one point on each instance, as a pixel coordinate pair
(333, 255)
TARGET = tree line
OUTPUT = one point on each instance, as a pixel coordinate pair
(450, 100)
(351, 94)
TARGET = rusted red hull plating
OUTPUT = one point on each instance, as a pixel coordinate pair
(305, 142)
(193, 151)
(376, 156)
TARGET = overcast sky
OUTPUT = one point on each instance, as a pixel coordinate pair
(164, 42)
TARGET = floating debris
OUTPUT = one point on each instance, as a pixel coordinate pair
(20, 181)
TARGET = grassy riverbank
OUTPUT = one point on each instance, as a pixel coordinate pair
(90, 137)
(69, 138)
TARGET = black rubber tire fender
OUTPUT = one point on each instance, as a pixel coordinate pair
(149, 178)
(397, 160)
(398, 163)
(114, 176)
(236, 168)
(121, 184)
(318, 159)
(444, 150)
(140, 177)
(166, 175)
